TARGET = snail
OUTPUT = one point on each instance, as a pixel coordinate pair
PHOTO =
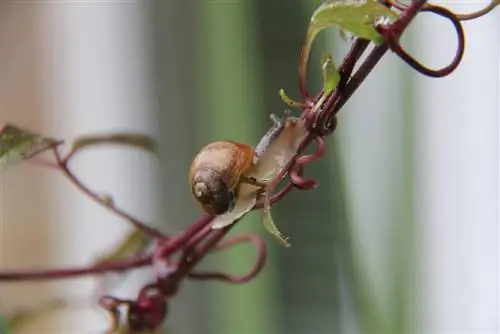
(228, 178)
(217, 172)
(221, 167)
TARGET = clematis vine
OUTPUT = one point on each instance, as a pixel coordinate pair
(373, 28)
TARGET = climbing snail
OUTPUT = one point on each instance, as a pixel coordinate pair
(217, 172)
(227, 178)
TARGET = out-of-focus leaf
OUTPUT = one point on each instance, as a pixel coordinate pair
(129, 139)
(3, 326)
(356, 17)
(133, 243)
(331, 76)
(20, 319)
(17, 144)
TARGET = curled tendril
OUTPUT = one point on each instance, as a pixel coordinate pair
(277, 196)
(297, 169)
(462, 17)
(396, 47)
(298, 181)
(474, 15)
(295, 174)
(260, 248)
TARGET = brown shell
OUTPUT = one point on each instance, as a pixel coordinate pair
(229, 158)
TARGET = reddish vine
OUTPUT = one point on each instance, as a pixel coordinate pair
(175, 257)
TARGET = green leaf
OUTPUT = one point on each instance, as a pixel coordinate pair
(129, 139)
(356, 17)
(331, 76)
(17, 144)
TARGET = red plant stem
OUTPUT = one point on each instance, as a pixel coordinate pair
(407, 16)
(350, 61)
(179, 241)
(462, 17)
(119, 265)
(372, 60)
(471, 16)
(99, 200)
(357, 79)
(396, 47)
(374, 57)
(197, 238)
(29, 275)
(208, 246)
(346, 69)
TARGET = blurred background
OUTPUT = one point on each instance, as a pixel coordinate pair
(401, 236)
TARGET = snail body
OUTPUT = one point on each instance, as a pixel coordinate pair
(220, 168)
(216, 172)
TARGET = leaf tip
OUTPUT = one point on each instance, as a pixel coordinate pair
(268, 222)
(287, 100)
(331, 76)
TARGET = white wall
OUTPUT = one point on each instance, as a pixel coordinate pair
(456, 177)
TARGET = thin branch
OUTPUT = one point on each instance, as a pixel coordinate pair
(104, 202)
(62, 273)
(461, 17)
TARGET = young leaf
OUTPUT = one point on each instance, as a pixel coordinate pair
(331, 76)
(288, 100)
(17, 144)
(129, 139)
